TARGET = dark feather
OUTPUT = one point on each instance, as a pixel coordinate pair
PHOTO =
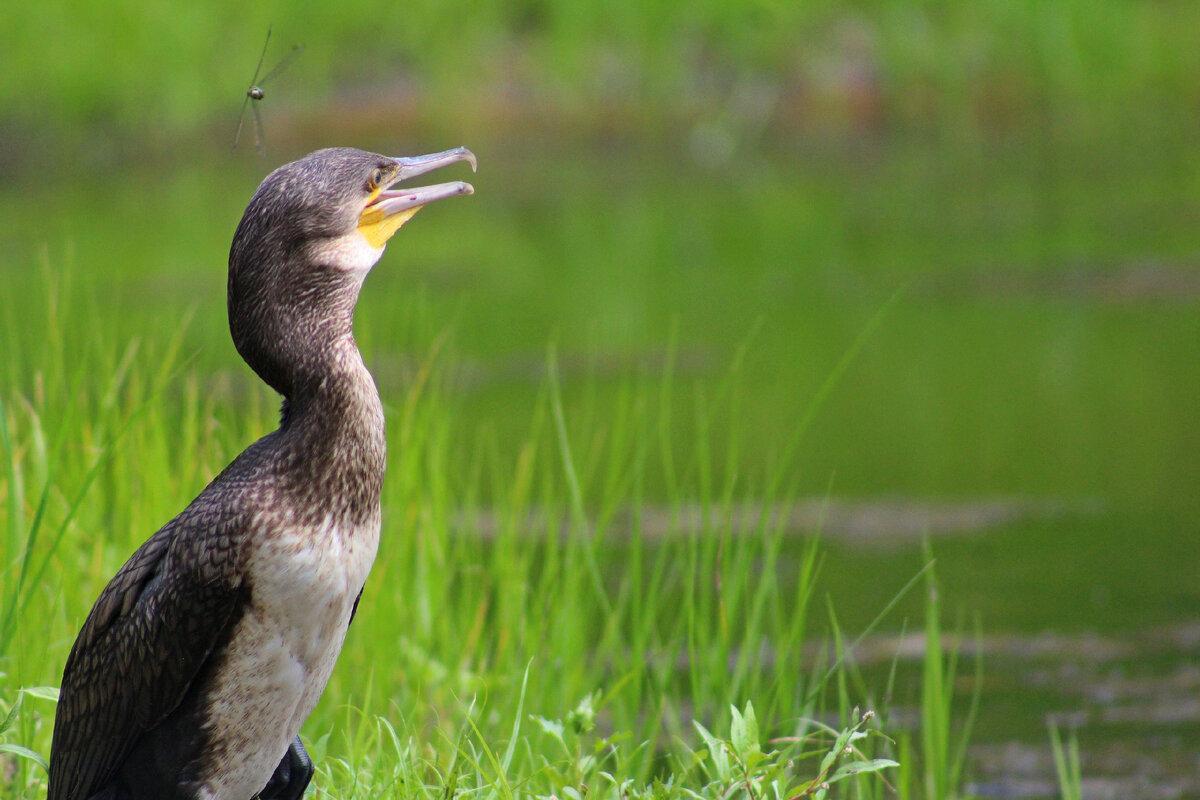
(149, 637)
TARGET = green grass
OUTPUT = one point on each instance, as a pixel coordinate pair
(540, 644)
(1066, 764)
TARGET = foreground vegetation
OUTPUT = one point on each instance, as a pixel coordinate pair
(543, 644)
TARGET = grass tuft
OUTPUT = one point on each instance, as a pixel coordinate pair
(534, 625)
(1066, 764)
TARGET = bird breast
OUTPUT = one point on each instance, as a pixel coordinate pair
(304, 581)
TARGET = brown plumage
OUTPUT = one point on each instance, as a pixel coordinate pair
(205, 653)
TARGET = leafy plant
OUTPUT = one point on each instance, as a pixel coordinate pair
(739, 763)
(11, 718)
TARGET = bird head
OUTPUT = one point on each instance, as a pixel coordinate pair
(337, 207)
(311, 233)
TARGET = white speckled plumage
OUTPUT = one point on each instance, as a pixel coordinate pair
(284, 648)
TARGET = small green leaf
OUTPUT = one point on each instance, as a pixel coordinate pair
(794, 789)
(550, 726)
(839, 745)
(751, 727)
(708, 738)
(42, 692)
(23, 752)
(737, 732)
(830, 757)
(318, 747)
(860, 767)
(716, 752)
(10, 717)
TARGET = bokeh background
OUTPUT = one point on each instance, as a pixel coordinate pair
(940, 261)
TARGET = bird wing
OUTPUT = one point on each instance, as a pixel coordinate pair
(150, 633)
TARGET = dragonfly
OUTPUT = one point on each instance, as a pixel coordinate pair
(255, 93)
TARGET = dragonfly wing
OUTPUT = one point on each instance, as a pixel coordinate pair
(241, 118)
(260, 138)
(283, 64)
(261, 56)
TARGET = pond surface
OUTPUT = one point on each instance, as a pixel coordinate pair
(1031, 399)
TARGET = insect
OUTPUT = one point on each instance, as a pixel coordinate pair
(255, 93)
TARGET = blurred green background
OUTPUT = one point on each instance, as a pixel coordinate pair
(709, 189)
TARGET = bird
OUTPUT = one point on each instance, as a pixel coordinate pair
(205, 653)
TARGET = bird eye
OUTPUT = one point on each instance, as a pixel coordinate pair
(376, 179)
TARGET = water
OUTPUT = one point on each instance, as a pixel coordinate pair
(1040, 362)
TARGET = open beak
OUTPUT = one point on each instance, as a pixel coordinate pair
(387, 209)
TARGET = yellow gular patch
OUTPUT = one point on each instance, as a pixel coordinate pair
(377, 228)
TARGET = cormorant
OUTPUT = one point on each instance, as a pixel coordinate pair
(203, 656)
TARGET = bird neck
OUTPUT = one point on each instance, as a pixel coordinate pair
(298, 337)
(295, 333)
(332, 438)
(333, 393)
